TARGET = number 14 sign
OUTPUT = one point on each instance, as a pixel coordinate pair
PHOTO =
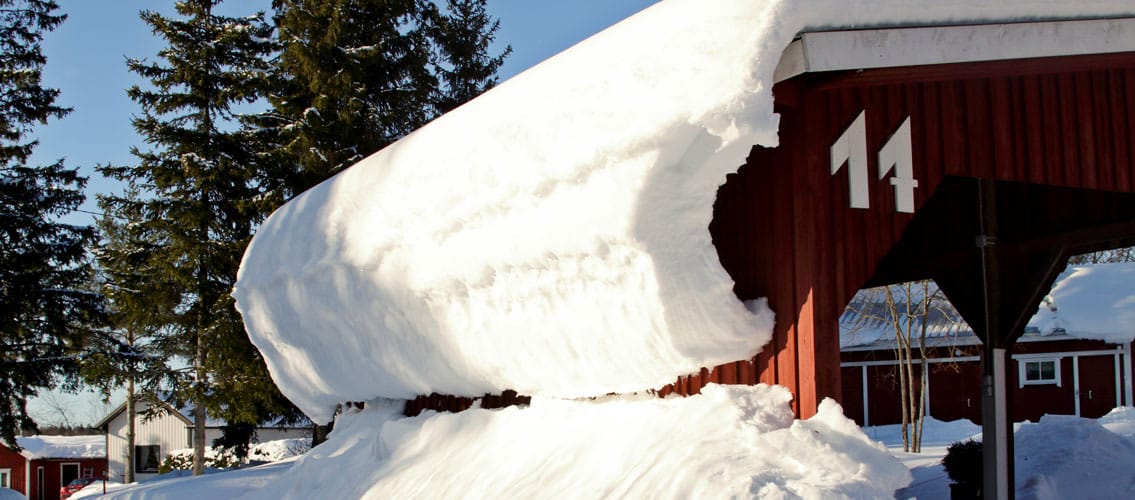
(851, 149)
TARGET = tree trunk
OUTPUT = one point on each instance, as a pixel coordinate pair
(902, 353)
(198, 439)
(131, 412)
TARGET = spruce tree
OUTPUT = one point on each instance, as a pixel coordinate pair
(462, 37)
(354, 77)
(199, 202)
(139, 298)
(45, 302)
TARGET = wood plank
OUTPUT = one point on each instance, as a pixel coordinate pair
(1086, 120)
(1052, 159)
(1001, 129)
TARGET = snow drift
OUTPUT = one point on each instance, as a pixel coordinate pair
(551, 236)
(728, 442)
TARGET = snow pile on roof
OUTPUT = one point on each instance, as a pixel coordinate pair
(36, 447)
(728, 442)
(1072, 457)
(1091, 302)
(867, 318)
(551, 236)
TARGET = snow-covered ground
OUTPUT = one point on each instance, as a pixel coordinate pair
(731, 441)
(1059, 457)
(728, 443)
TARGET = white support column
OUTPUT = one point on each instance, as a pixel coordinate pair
(995, 425)
(1118, 381)
(1127, 385)
(866, 414)
(1076, 383)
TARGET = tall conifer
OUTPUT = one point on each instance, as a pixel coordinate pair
(462, 37)
(199, 202)
(140, 301)
(44, 272)
(356, 75)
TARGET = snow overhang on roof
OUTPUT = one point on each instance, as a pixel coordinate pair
(551, 236)
(920, 46)
(67, 447)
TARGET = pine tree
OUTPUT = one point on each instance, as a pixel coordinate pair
(462, 39)
(139, 299)
(354, 77)
(45, 301)
(200, 203)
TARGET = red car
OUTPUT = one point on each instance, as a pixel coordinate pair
(69, 489)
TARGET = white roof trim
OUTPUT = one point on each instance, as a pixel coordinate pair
(895, 47)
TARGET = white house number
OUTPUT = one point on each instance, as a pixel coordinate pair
(851, 149)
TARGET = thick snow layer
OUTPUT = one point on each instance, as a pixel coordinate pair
(1086, 461)
(1092, 302)
(1059, 457)
(551, 236)
(35, 447)
(728, 442)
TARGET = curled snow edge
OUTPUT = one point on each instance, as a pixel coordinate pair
(551, 236)
(728, 442)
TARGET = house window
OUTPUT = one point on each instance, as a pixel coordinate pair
(5, 478)
(147, 458)
(1040, 372)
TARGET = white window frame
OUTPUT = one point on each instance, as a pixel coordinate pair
(1022, 370)
(5, 478)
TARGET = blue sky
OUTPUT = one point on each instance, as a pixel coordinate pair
(86, 61)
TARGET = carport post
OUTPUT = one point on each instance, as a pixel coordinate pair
(996, 430)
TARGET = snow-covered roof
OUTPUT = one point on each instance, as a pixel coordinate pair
(185, 414)
(551, 236)
(1093, 301)
(37, 447)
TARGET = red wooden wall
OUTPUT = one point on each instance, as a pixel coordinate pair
(955, 387)
(783, 226)
(16, 462)
(51, 474)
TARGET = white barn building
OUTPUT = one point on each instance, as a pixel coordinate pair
(166, 431)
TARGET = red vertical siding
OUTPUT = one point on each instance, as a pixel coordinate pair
(1061, 121)
(16, 462)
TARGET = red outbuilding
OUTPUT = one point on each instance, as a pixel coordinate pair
(46, 463)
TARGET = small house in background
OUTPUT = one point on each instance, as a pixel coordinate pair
(165, 430)
(45, 463)
(1073, 359)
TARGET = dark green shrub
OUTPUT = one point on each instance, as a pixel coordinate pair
(963, 463)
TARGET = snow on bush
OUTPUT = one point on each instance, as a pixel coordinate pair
(225, 458)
